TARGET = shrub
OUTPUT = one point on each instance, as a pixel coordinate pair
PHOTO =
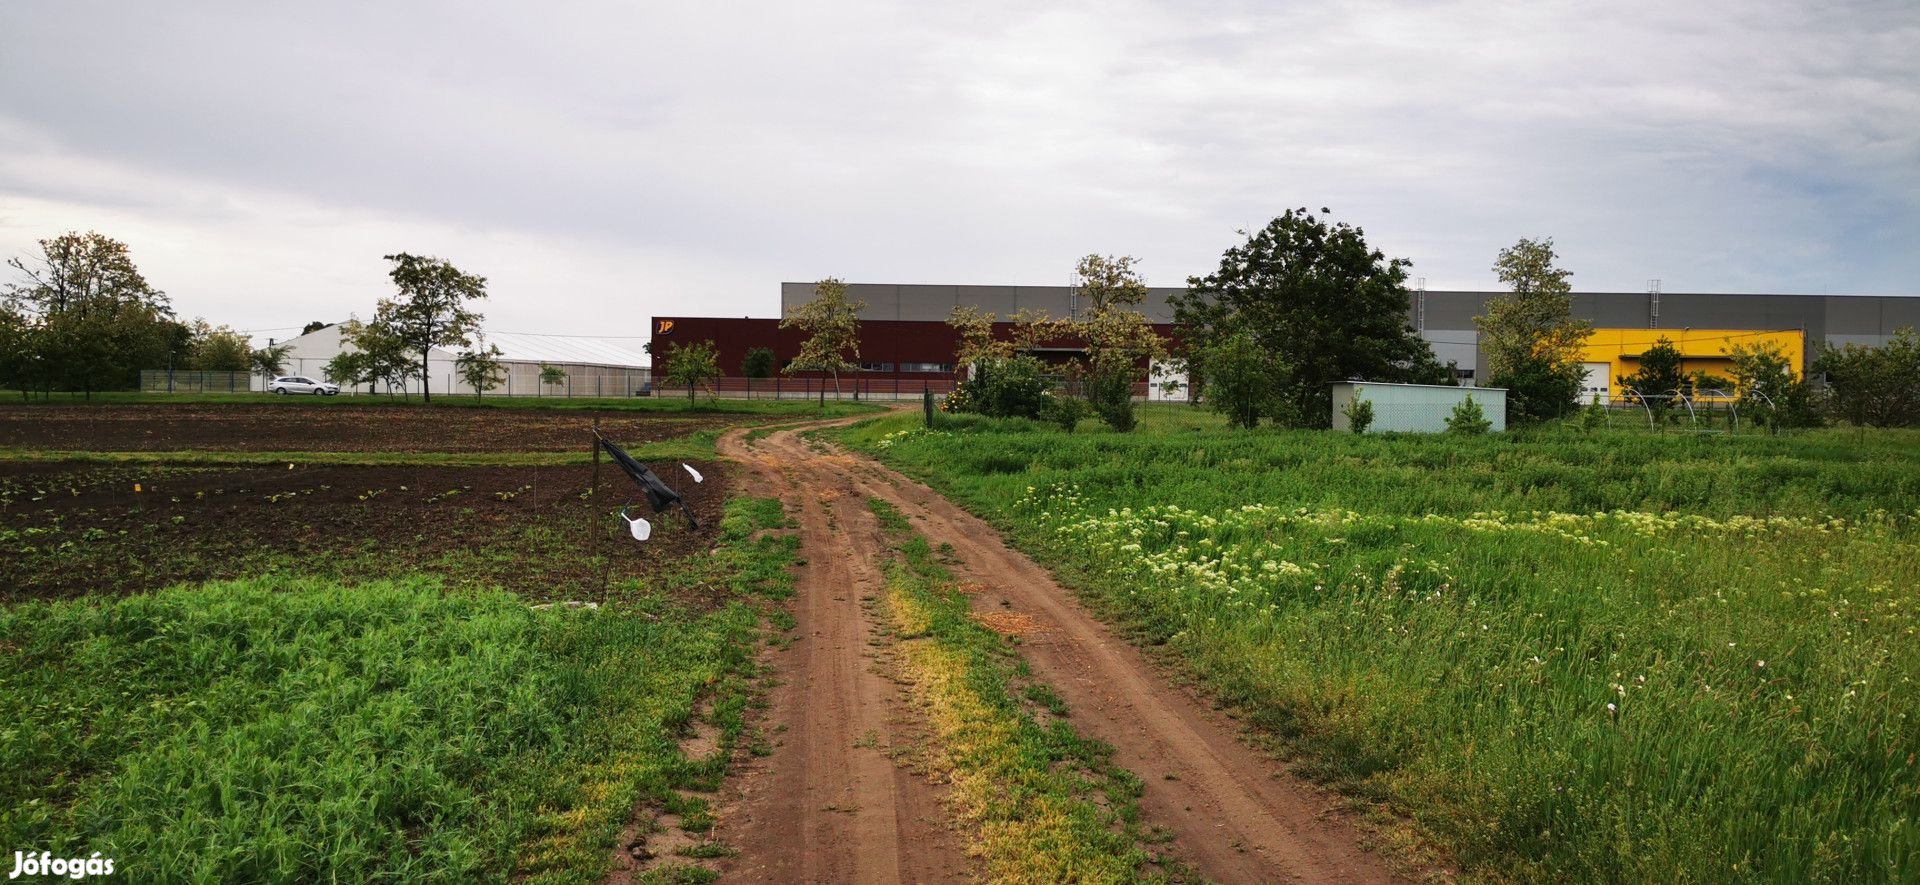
(1594, 416)
(1538, 391)
(1006, 388)
(1468, 418)
(1110, 396)
(1359, 412)
(1064, 412)
(1876, 386)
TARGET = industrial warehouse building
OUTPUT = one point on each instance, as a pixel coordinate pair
(905, 344)
(594, 367)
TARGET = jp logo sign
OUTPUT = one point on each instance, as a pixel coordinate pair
(666, 328)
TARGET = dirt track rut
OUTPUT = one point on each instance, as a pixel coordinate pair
(1235, 815)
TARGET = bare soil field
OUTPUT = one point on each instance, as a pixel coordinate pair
(68, 529)
(330, 428)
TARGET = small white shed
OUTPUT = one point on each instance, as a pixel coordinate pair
(1416, 408)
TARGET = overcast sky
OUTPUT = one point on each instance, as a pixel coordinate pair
(604, 162)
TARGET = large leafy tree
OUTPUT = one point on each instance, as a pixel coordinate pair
(1318, 300)
(85, 316)
(431, 309)
(693, 364)
(1532, 342)
(832, 324)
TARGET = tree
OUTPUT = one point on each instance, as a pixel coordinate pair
(1875, 386)
(1529, 336)
(270, 362)
(82, 272)
(977, 343)
(349, 369)
(1771, 395)
(480, 368)
(552, 375)
(1659, 377)
(1240, 378)
(1323, 305)
(758, 363)
(383, 356)
(431, 308)
(217, 349)
(313, 327)
(87, 318)
(18, 359)
(1118, 337)
(832, 324)
(697, 363)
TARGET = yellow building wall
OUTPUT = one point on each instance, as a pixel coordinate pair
(1701, 350)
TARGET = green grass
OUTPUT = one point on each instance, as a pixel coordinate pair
(1043, 804)
(1440, 624)
(294, 729)
(804, 408)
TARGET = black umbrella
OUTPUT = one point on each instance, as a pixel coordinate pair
(658, 494)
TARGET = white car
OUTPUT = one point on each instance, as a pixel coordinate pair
(302, 384)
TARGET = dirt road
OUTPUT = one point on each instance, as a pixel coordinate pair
(1236, 816)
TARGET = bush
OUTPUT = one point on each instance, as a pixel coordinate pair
(1359, 412)
(1468, 418)
(1876, 386)
(1538, 392)
(1064, 412)
(1005, 388)
(1110, 396)
(1594, 416)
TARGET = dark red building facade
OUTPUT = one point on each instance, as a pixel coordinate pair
(893, 351)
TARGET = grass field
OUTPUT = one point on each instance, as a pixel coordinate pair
(294, 729)
(1626, 656)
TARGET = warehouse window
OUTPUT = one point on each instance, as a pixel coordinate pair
(876, 367)
(926, 367)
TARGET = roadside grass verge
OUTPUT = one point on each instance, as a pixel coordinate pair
(1046, 805)
(298, 729)
(1565, 657)
(790, 406)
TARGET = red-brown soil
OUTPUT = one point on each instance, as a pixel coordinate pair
(323, 427)
(1236, 815)
(73, 528)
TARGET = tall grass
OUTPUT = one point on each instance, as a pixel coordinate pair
(1617, 657)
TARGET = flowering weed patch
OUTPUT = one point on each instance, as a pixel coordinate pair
(1564, 657)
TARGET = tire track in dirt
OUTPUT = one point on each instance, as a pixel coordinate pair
(829, 805)
(1235, 814)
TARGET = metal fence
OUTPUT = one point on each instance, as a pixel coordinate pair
(179, 381)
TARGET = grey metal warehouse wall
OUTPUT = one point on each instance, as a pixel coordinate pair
(1445, 318)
